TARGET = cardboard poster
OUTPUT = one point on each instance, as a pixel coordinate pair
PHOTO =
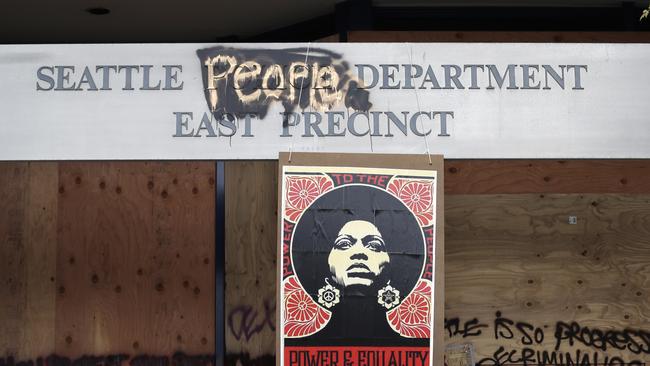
(357, 269)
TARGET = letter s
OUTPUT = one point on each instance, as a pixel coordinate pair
(46, 78)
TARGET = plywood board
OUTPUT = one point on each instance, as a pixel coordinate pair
(135, 258)
(27, 257)
(547, 176)
(519, 258)
(251, 199)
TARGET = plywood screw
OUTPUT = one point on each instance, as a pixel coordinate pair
(102, 185)
(77, 180)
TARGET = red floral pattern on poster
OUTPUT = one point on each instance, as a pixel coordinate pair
(417, 195)
(412, 318)
(302, 316)
(302, 191)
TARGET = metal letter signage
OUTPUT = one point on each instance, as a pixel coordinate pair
(249, 101)
(358, 267)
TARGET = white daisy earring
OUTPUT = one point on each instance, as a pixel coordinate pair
(328, 295)
(388, 296)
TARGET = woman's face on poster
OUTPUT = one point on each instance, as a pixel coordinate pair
(359, 254)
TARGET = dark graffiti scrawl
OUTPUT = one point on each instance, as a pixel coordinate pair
(574, 344)
(177, 359)
(244, 82)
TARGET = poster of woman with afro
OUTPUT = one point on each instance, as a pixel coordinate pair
(357, 270)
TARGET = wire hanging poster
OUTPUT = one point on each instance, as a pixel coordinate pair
(358, 266)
